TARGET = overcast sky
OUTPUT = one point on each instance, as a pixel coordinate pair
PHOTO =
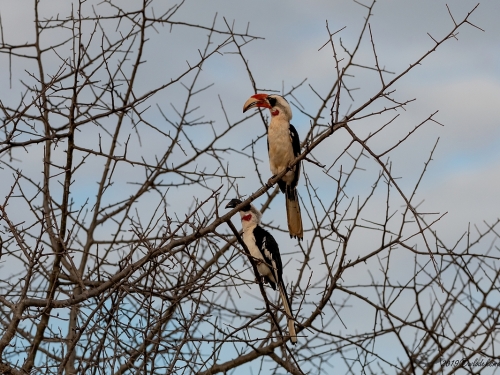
(461, 80)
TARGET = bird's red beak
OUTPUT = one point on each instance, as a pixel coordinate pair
(257, 100)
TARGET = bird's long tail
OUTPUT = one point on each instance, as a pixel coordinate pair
(288, 311)
(293, 215)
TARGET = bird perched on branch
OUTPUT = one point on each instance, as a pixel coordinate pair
(283, 144)
(266, 254)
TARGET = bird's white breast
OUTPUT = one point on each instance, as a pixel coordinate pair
(280, 146)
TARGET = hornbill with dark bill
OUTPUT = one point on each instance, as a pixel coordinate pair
(283, 145)
(266, 254)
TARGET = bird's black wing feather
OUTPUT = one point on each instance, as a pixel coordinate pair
(294, 137)
(270, 251)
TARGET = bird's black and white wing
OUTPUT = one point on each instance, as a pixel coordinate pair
(271, 254)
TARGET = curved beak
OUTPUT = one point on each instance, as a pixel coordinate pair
(257, 100)
(233, 203)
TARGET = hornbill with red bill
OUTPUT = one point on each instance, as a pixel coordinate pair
(283, 145)
(266, 254)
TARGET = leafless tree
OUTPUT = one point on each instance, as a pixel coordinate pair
(118, 257)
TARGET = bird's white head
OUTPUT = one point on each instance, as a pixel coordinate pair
(278, 106)
(250, 215)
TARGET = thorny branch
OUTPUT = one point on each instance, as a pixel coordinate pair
(113, 268)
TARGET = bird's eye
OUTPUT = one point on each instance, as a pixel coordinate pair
(272, 101)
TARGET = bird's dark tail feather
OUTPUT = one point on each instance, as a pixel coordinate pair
(293, 215)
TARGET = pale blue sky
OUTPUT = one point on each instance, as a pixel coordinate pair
(461, 80)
